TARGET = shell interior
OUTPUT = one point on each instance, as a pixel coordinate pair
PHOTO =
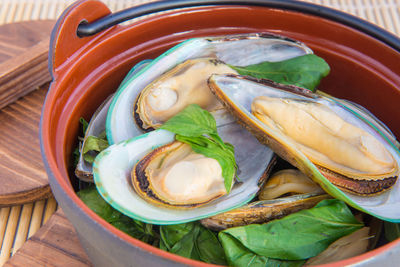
(113, 166)
(97, 125)
(239, 93)
(238, 50)
(181, 86)
(176, 176)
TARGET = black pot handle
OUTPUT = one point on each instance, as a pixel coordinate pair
(89, 29)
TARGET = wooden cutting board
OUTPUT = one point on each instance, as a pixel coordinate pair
(23, 58)
(23, 177)
(23, 69)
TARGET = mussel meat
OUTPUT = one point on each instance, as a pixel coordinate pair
(185, 84)
(175, 176)
(294, 121)
(179, 76)
(287, 182)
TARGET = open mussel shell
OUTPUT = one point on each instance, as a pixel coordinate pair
(113, 166)
(237, 50)
(175, 176)
(97, 125)
(181, 86)
(238, 93)
(348, 246)
(263, 211)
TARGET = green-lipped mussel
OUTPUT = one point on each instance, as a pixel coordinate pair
(179, 77)
(284, 192)
(150, 198)
(185, 84)
(263, 211)
(201, 52)
(295, 122)
(175, 176)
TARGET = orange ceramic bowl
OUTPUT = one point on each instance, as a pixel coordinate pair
(365, 69)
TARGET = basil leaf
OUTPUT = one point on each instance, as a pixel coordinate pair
(162, 245)
(192, 121)
(192, 240)
(238, 255)
(75, 156)
(392, 230)
(95, 144)
(209, 247)
(137, 229)
(186, 246)
(84, 124)
(303, 71)
(301, 235)
(95, 202)
(210, 149)
(191, 125)
(172, 234)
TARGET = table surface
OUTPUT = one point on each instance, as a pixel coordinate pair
(57, 239)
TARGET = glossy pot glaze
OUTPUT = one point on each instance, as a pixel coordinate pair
(86, 70)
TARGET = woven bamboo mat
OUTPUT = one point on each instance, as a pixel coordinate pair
(18, 223)
(385, 13)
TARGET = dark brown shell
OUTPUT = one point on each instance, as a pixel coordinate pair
(359, 187)
(137, 118)
(262, 211)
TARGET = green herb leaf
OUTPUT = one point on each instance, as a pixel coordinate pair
(298, 236)
(95, 202)
(96, 144)
(303, 71)
(238, 255)
(186, 247)
(137, 229)
(76, 154)
(193, 121)
(392, 231)
(192, 240)
(84, 124)
(172, 234)
(197, 127)
(209, 148)
(209, 247)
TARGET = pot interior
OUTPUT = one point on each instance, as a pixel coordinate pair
(363, 69)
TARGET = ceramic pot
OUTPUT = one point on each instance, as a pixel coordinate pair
(365, 69)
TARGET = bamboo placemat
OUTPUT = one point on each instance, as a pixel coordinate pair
(19, 10)
(18, 223)
(385, 13)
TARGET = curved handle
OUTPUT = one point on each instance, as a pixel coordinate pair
(65, 42)
(87, 18)
(89, 29)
